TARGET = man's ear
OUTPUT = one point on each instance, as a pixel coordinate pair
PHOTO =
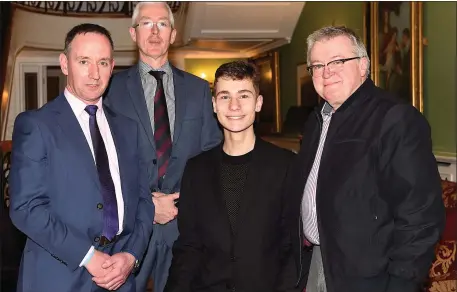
(113, 63)
(363, 65)
(63, 63)
(132, 32)
(259, 103)
(173, 36)
(214, 104)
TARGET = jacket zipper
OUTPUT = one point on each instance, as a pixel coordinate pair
(301, 210)
(300, 243)
(321, 121)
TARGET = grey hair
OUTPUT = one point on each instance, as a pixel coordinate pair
(330, 32)
(138, 6)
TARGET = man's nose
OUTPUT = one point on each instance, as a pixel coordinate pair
(327, 72)
(94, 72)
(155, 28)
(234, 104)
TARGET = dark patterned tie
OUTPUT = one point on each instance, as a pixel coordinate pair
(110, 216)
(162, 135)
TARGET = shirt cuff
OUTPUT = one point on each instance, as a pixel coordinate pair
(88, 256)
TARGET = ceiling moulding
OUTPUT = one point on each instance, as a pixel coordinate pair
(239, 48)
(247, 28)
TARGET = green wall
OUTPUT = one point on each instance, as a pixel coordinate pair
(207, 66)
(314, 15)
(440, 75)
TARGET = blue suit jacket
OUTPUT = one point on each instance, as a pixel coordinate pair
(55, 191)
(196, 129)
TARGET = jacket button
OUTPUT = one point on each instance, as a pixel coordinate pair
(99, 206)
(233, 258)
(97, 239)
(154, 161)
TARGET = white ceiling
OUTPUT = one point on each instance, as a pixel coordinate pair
(243, 28)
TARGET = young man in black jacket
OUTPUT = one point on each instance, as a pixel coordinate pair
(232, 203)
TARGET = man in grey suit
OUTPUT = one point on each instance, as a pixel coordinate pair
(175, 113)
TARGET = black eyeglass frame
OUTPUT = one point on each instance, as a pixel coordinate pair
(310, 68)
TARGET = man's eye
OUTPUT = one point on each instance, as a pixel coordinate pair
(162, 24)
(83, 62)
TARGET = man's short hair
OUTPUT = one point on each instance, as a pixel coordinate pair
(138, 6)
(330, 32)
(83, 29)
(238, 70)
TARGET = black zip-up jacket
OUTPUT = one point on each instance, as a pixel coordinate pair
(378, 199)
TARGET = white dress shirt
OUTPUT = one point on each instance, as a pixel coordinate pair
(78, 107)
(309, 214)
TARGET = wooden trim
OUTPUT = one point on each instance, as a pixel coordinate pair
(6, 79)
(416, 39)
(6, 49)
(277, 92)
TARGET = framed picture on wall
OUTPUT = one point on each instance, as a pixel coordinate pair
(307, 99)
(393, 36)
(268, 121)
(306, 94)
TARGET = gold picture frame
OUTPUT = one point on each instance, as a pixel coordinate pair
(306, 94)
(394, 38)
(268, 121)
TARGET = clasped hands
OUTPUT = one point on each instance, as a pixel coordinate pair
(110, 272)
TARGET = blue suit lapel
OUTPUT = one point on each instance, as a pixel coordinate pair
(70, 127)
(135, 88)
(180, 102)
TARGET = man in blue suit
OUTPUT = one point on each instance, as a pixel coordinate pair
(175, 112)
(78, 187)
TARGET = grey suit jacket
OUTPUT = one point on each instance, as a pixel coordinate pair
(196, 129)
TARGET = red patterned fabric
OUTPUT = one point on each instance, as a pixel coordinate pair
(443, 273)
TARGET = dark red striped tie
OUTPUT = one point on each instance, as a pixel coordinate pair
(162, 135)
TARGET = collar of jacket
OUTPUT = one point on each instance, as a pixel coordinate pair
(355, 98)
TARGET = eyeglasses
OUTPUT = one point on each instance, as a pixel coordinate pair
(334, 66)
(148, 24)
